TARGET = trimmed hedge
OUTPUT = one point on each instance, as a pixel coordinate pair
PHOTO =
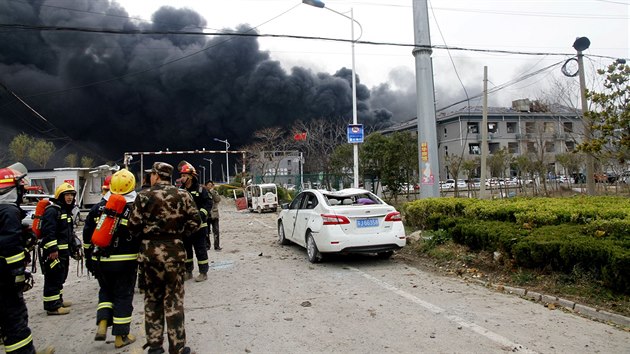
(591, 233)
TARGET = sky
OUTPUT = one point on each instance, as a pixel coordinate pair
(538, 26)
(112, 93)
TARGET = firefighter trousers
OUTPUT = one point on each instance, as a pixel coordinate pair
(55, 275)
(115, 296)
(14, 319)
(197, 241)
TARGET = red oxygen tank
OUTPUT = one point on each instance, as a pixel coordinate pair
(37, 218)
(108, 221)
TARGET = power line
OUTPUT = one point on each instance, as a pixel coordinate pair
(246, 34)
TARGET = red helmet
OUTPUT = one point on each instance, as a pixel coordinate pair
(108, 180)
(187, 168)
(9, 178)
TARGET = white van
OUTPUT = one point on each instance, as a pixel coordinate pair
(262, 197)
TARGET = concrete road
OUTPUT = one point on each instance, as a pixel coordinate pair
(265, 298)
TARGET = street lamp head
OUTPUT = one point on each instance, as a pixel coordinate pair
(315, 3)
(581, 44)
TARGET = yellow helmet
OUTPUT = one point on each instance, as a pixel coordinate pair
(65, 187)
(122, 182)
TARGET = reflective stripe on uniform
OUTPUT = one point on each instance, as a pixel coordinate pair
(189, 260)
(202, 262)
(63, 247)
(203, 225)
(124, 222)
(122, 320)
(87, 245)
(50, 244)
(18, 257)
(105, 305)
(18, 345)
(54, 263)
(204, 211)
(117, 258)
(52, 298)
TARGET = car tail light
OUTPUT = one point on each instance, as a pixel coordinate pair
(334, 219)
(394, 216)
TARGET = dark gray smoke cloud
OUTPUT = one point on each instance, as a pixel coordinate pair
(227, 91)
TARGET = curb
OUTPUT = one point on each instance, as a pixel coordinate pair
(593, 313)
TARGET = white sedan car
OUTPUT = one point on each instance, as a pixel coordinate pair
(345, 221)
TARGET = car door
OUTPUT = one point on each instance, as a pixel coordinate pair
(288, 221)
(305, 213)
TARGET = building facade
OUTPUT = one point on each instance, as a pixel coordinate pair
(527, 128)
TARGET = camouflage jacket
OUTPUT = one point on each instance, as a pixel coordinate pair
(216, 198)
(162, 216)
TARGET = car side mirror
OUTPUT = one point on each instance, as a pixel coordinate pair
(285, 206)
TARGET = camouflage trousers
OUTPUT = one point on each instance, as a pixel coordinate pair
(164, 297)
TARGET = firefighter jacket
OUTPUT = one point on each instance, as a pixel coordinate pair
(57, 229)
(122, 252)
(202, 200)
(12, 254)
(161, 217)
(216, 198)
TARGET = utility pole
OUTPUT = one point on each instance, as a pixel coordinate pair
(581, 44)
(429, 168)
(484, 137)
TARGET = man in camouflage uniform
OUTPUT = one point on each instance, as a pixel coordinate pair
(214, 214)
(162, 217)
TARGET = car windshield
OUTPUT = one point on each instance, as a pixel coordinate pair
(352, 199)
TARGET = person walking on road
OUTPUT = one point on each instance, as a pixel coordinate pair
(16, 334)
(57, 231)
(214, 214)
(161, 218)
(115, 265)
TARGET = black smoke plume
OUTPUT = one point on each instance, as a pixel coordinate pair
(144, 98)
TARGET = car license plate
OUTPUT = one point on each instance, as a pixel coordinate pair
(367, 222)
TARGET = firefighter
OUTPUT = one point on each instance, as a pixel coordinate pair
(197, 240)
(115, 266)
(162, 217)
(57, 231)
(16, 335)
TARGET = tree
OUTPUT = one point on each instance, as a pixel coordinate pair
(610, 114)
(41, 151)
(392, 159)
(20, 145)
(87, 161)
(71, 160)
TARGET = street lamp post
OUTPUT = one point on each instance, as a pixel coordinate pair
(355, 146)
(204, 174)
(209, 167)
(227, 162)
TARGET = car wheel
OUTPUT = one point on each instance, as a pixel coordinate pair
(281, 239)
(385, 255)
(259, 210)
(311, 249)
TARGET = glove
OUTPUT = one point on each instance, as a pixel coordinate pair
(29, 240)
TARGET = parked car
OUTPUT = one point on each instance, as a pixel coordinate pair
(347, 221)
(448, 184)
(29, 202)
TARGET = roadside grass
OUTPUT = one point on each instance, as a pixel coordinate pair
(435, 253)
